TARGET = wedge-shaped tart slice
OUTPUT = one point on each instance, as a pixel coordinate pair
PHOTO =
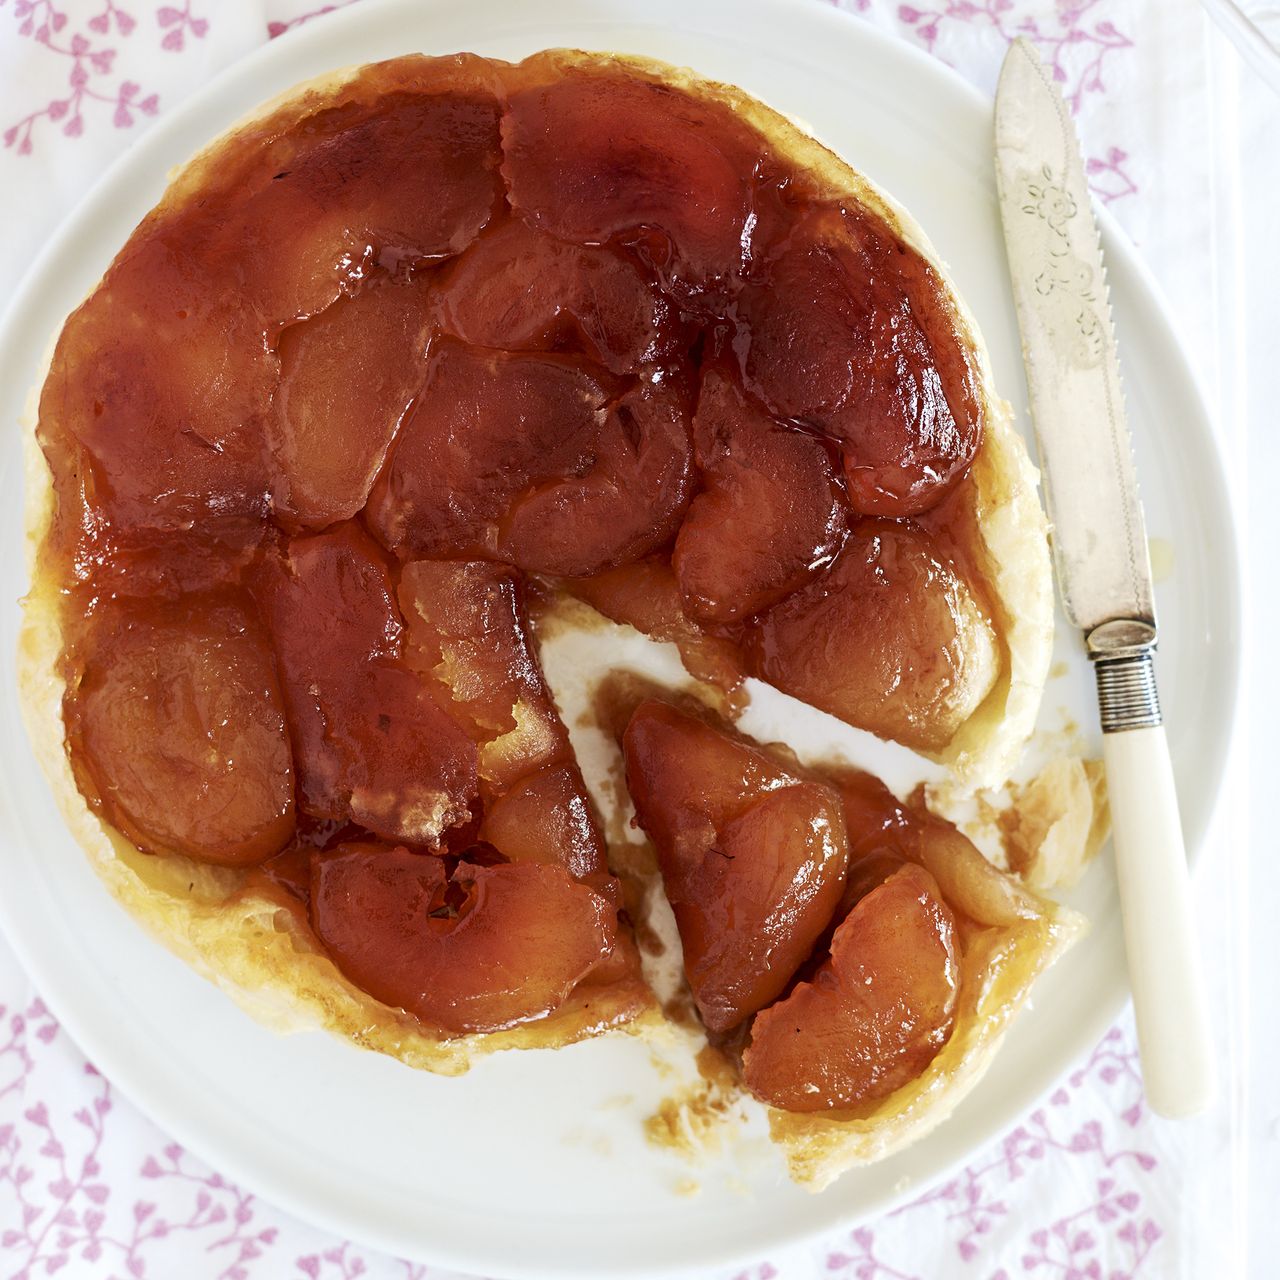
(880, 953)
(952, 947)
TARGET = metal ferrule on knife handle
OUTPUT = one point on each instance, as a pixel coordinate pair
(1123, 653)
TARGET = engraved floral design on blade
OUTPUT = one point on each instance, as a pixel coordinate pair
(1050, 202)
(1074, 281)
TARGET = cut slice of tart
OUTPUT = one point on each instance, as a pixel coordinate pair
(877, 957)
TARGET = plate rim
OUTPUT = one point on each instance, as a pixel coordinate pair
(1220, 512)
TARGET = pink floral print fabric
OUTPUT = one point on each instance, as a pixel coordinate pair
(91, 1189)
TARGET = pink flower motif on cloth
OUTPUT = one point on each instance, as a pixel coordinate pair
(177, 23)
(1107, 1238)
(332, 1264)
(969, 1197)
(52, 1175)
(1076, 44)
(1107, 176)
(112, 15)
(54, 1194)
(89, 69)
(216, 1204)
(1062, 48)
(861, 1263)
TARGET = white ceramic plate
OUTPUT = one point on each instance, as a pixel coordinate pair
(533, 1164)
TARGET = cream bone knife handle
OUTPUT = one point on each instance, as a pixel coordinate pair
(1155, 888)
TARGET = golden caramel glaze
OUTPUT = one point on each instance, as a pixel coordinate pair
(413, 333)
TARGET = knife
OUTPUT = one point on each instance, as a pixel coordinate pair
(1101, 558)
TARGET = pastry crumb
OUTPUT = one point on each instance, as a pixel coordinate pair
(691, 1121)
(663, 1066)
(1056, 823)
(1045, 831)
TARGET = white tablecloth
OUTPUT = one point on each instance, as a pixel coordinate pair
(1087, 1187)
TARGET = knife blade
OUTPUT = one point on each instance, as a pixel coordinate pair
(1060, 289)
(1101, 558)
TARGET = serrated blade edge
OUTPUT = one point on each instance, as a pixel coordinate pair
(1073, 375)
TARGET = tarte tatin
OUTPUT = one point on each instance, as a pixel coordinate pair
(421, 337)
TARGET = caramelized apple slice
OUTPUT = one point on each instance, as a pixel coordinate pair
(487, 427)
(592, 156)
(884, 832)
(876, 1012)
(770, 513)
(467, 625)
(162, 379)
(646, 596)
(849, 332)
(541, 460)
(521, 290)
(468, 629)
(890, 639)
(547, 817)
(346, 378)
(407, 176)
(479, 950)
(629, 502)
(371, 742)
(178, 721)
(752, 858)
